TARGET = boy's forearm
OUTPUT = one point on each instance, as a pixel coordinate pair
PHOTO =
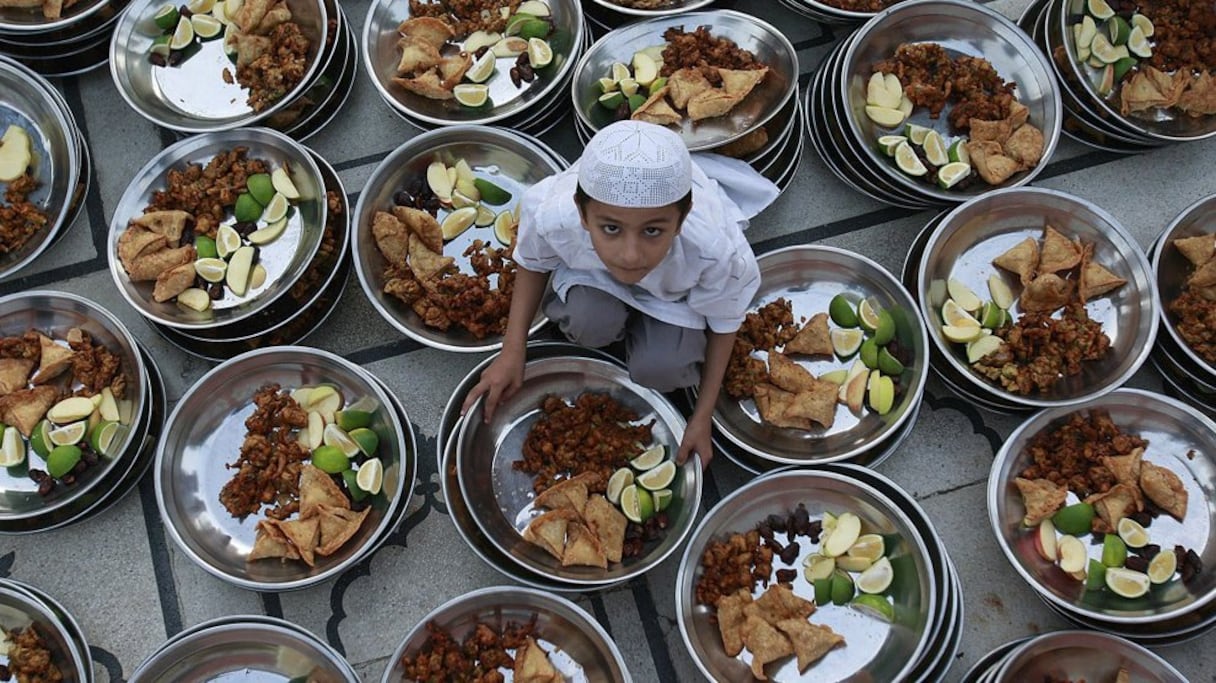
(717, 354)
(529, 289)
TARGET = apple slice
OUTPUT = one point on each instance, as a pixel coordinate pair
(282, 183)
(15, 155)
(1045, 541)
(855, 392)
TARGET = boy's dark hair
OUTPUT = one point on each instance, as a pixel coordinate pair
(683, 204)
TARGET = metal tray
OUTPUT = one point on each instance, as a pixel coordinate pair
(1084, 655)
(19, 609)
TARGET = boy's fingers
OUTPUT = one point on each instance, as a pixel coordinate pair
(474, 394)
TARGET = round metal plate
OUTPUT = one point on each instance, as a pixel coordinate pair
(1084, 655)
(285, 259)
(769, 45)
(1171, 270)
(69, 625)
(500, 497)
(809, 277)
(27, 20)
(970, 236)
(1173, 431)
(873, 648)
(19, 609)
(205, 431)
(576, 644)
(670, 7)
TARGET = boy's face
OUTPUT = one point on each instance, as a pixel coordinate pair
(631, 241)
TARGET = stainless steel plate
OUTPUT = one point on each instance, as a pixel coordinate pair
(766, 42)
(577, 645)
(261, 650)
(672, 7)
(966, 241)
(809, 276)
(1084, 655)
(25, 101)
(497, 155)
(500, 497)
(1171, 270)
(54, 313)
(71, 628)
(19, 609)
(285, 259)
(205, 431)
(1173, 430)
(193, 97)
(381, 56)
(874, 649)
(23, 20)
(961, 28)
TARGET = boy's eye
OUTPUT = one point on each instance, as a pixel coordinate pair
(610, 229)
(652, 232)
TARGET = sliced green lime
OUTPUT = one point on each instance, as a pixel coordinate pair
(658, 478)
(62, 459)
(841, 311)
(877, 606)
(367, 440)
(952, 174)
(248, 209)
(649, 459)
(471, 94)
(888, 143)
(907, 161)
(491, 193)
(166, 17)
(330, 459)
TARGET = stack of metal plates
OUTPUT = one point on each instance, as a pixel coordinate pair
(245, 647)
(764, 129)
(24, 606)
(122, 462)
(307, 267)
(910, 630)
(194, 89)
(1124, 587)
(59, 158)
(848, 140)
(838, 11)
(531, 106)
(75, 41)
(1092, 108)
(961, 244)
(1189, 374)
(810, 277)
(1071, 656)
(605, 15)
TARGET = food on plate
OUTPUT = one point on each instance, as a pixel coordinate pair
(50, 9)
(1148, 58)
(1194, 309)
(64, 399)
(989, 129)
(860, 5)
(694, 75)
(20, 219)
(29, 658)
(1117, 494)
(430, 212)
(313, 459)
(268, 48)
(451, 48)
(646, 4)
(786, 394)
(199, 238)
(486, 654)
(1037, 350)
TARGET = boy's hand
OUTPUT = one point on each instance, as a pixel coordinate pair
(698, 438)
(498, 382)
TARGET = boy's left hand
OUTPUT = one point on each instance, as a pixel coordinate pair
(698, 438)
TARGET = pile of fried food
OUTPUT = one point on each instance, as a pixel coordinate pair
(29, 658)
(481, 657)
(20, 219)
(1039, 349)
(151, 249)
(273, 469)
(51, 9)
(420, 276)
(271, 51)
(1122, 676)
(579, 529)
(423, 69)
(1195, 308)
(707, 77)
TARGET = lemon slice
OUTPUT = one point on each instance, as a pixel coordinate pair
(276, 210)
(482, 69)
(103, 438)
(868, 546)
(206, 26)
(867, 314)
(458, 221)
(200, 6)
(617, 483)
(1100, 9)
(962, 335)
(1144, 24)
(658, 478)
(620, 72)
(818, 567)
(1127, 582)
(371, 476)
(1162, 567)
(958, 151)
(166, 17)
(1105, 52)
(607, 85)
(1137, 43)
(651, 458)
(888, 143)
(955, 316)
(540, 54)
(935, 149)
(662, 499)
(846, 342)
(183, 35)
(875, 606)
(907, 161)
(12, 448)
(917, 134)
(471, 94)
(637, 504)
(336, 436)
(952, 174)
(211, 269)
(227, 241)
(877, 578)
(505, 227)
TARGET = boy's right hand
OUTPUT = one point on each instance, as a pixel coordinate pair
(498, 382)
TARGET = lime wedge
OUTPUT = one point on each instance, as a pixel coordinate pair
(991, 315)
(868, 546)
(617, 483)
(818, 566)
(160, 46)
(907, 161)
(1123, 66)
(205, 247)
(200, 6)
(1074, 519)
(916, 134)
(12, 448)
(954, 315)
(336, 436)
(39, 440)
(62, 459)
(1162, 567)
(1127, 583)
(867, 314)
(1095, 575)
(458, 221)
(367, 440)
(885, 331)
(166, 17)
(658, 478)
(516, 23)
(637, 504)
(371, 476)
(1134, 535)
(248, 209)
(888, 364)
(620, 72)
(888, 143)
(958, 151)
(823, 590)
(877, 578)
(491, 193)
(841, 311)
(206, 27)
(183, 35)
(607, 85)
(103, 438)
(1137, 43)
(869, 353)
(649, 459)
(1114, 551)
(612, 100)
(505, 226)
(662, 499)
(211, 269)
(330, 459)
(876, 606)
(227, 241)
(1117, 29)
(482, 69)
(540, 54)
(1144, 24)
(352, 419)
(962, 335)
(276, 210)
(1099, 9)
(846, 342)
(485, 216)
(1105, 52)
(351, 479)
(935, 149)
(842, 588)
(536, 8)
(471, 94)
(952, 173)
(261, 187)
(628, 86)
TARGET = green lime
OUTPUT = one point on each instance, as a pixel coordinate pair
(888, 143)
(1074, 519)
(516, 23)
(62, 459)
(886, 328)
(656, 85)
(612, 100)
(1114, 551)
(840, 309)
(352, 419)
(160, 46)
(330, 459)
(261, 187)
(636, 101)
(842, 588)
(823, 591)
(1099, 9)
(662, 499)
(367, 440)
(166, 17)
(1118, 29)
(649, 459)
(40, 439)
(491, 193)
(952, 173)
(205, 246)
(103, 438)
(958, 152)
(1122, 66)
(888, 364)
(867, 314)
(907, 161)
(248, 210)
(1095, 577)
(617, 482)
(533, 28)
(877, 606)
(183, 34)
(473, 95)
(658, 478)
(636, 503)
(869, 353)
(12, 448)
(351, 478)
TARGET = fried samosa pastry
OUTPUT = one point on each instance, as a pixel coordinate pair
(1021, 260)
(814, 339)
(1113, 505)
(1025, 146)
(766, 644)
(583, 548)
(425, 263)
(302, 534)
(1125, 468)
(532, 665)
(684, 84)
(607, 522)
(816, 403)
(317, 490)
(787, 374)
(1199, 98)
(811, 641)
(731, 619)
(779, 603)
(656, 110)
(392, 237)
(337, 526)
(430, 31)
(568, 494)
(774, 404)
(990, 161)
(1042, 498)
(14, 374)
(740, 82)
(172, 282)
(1164, 488)
(149, 266)
(1046, 293)
(1059, 253)
(53, 359)
(427, 84)
(135, 241)
(270, 542)
(1198, 249)
(171, 224)
(711, 103)
(1096, 280)
(422, 224)
(549, 531)
(25, 408)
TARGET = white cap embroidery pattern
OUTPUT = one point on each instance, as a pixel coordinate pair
(637, 165)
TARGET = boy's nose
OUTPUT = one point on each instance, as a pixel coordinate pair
(631, 254)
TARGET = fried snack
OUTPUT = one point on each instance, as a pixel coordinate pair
(569, 494)
(1204, 277)
(731, 619)
(1199, 98)
(136, 241)
(779, 603)
(738, 83)
(422, 224)
(766, 644)
(1041, 497)
(422, 69)
(816, 403)
(1113, 505)
(684, 84)
(392, 237)
(303, 535)
(173, 281)
(1164, 488)
(1198, 249)
(1096, 280)
(338, 525)
(656, 110)
(990, 161)
(52, 361)
(811, 641)
(711, 103)
(1125, 468)
(1059, 253)
(532, 665)
(814, 339)
(1150, 88)
(14, 374)
(1022, 259)
(583, 547)
(149, 265)
(271, 542)
(318, 491)
(787, 374)
(324, 525)
(426, 263)
(608, 523)
(170, 223)
(1046, 293)
(29, 658)
(774, 405)
(24, 409)
(549, 531)
(595, 436)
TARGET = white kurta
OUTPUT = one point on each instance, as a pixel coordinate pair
(708, 278)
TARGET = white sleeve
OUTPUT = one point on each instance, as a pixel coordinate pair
(532, 251)
(726, 288)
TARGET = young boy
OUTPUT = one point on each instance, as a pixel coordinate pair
(645, 243)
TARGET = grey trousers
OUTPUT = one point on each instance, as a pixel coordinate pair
(659, 355)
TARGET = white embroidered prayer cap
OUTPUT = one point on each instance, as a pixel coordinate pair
(637, 165)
